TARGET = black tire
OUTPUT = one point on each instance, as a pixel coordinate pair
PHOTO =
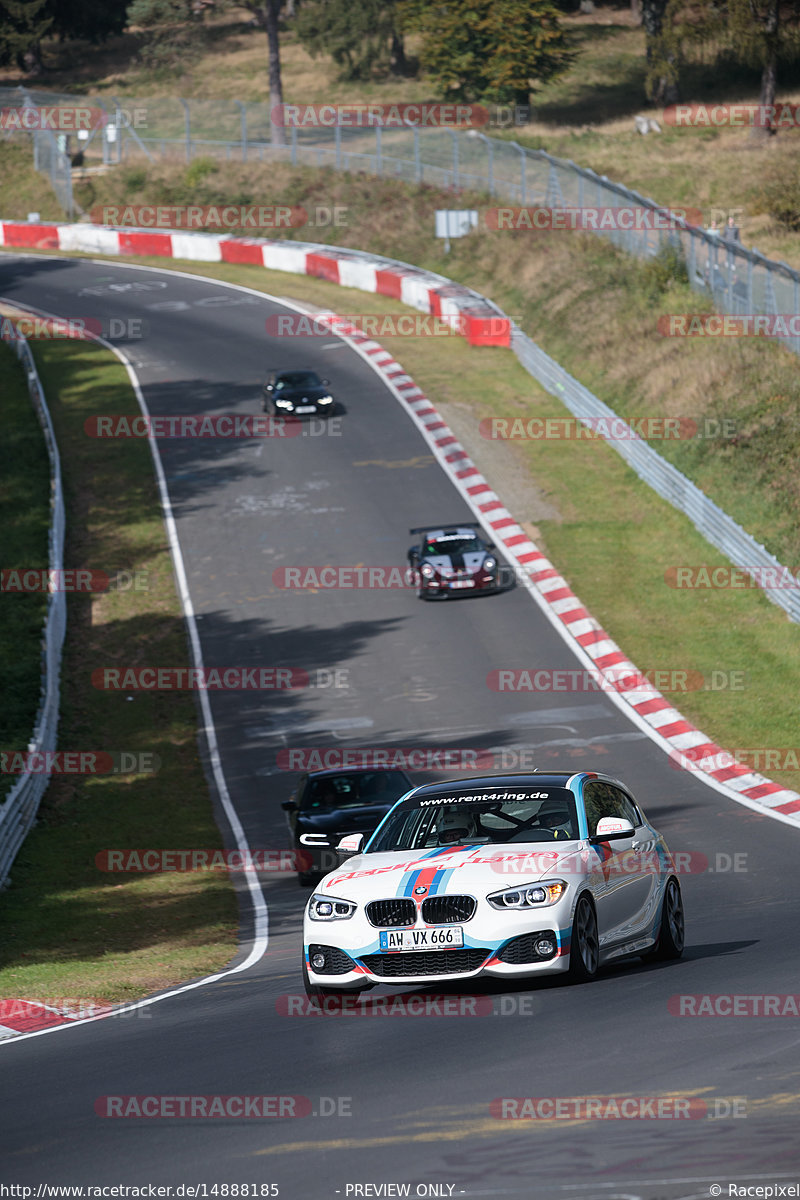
(671, 931)
(584, 946)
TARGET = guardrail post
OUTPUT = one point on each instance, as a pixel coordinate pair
(523, 163)
(294, 145)
(417, 164)
(455, 158)
(337, 134)
(378, 151)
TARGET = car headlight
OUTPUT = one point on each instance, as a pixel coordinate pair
(534, 895)
(328, 908)
(285, 403)
(489, 563)
(325, 400)
(427, 570)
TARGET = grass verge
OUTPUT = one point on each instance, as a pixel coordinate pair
(71, 930)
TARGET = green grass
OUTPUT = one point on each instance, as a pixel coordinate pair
(24, 520)
(71, 930)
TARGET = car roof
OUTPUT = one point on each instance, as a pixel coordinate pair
(328, 771)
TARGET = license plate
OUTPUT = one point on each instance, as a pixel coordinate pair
(450, 938)
(460, 583)
(306, 408)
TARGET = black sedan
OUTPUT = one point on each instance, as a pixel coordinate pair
(297, 393)
(329, 804)
(453, 560)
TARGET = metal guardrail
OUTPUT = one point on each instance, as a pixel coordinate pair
(18, 809)
(706, 516)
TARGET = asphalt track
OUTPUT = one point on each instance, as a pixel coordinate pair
(411, 1096)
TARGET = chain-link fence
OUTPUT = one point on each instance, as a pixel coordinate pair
(18, 810)
(741, 281)
(50, 149)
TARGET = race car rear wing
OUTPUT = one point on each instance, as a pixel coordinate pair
(451, 525)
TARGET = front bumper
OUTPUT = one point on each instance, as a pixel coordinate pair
(444, 589)
(356, 958)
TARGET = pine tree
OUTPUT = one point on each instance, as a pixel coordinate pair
(23, 24)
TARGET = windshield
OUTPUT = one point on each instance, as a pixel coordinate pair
(297, 379)
(348, 791)
(486, 817)
(454, 545)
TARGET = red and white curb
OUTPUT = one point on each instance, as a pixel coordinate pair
(26, 1016)
(586, 637)
(430, 293)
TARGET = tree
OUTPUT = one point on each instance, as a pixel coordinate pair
(23, 24)
(495, 50)
(361, 36)
(267, 14)
(662, 51)
(756, 29)
(173, 29)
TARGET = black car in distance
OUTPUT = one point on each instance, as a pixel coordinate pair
(297, 393)
(331, 803)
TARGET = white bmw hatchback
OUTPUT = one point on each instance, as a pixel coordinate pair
(505, 876)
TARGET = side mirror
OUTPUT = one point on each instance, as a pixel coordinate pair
(612, 828)
(349, 845)
(413, 554)
(326, 383)
(289, 806)
(267, 387)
